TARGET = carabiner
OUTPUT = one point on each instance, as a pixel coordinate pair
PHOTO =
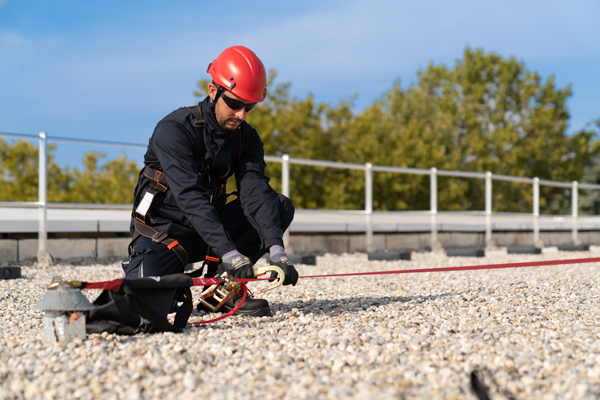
(259, 271)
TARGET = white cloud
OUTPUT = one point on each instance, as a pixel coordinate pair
(393, 35)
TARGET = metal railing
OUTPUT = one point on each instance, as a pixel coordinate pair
(286, 160)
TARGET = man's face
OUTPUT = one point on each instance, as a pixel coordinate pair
(228, 118)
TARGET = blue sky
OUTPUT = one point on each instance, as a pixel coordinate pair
(110, 70)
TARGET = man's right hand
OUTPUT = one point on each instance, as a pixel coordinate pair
(282, 261)
(236, 265)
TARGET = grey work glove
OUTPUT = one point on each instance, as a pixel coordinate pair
(236, 265)
(281, 260)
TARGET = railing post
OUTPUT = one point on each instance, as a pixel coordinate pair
(536, 211)
(575, 209)
(43, 256)
(285, 175)
(435, 245)
(285, 190)
(369, 206)
(488, 210)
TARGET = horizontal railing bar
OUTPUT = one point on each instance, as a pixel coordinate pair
(402, 170)
(103, 142)
(74, 140)
(20, 135)
(328, 164)
(588, 186)
(509, 178)
(546, 182)
(333, 210)
(273, 158)
(461, 174)
(93, 206)
(21, 204)
(36, 204)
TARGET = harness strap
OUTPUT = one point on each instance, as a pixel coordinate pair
(158, 177)
(139, 216)
(211, 261)
(160, 237)
(215, 259)
(160, 185)
(198, 121)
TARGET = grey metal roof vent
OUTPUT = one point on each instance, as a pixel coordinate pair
(59, 297)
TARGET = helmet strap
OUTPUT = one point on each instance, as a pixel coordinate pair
(213, 103)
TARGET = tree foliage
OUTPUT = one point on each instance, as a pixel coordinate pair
(485, 114)
(111, 183)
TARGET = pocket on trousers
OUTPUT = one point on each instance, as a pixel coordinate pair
(134, 265)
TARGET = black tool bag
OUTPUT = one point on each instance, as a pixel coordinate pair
(142, 305)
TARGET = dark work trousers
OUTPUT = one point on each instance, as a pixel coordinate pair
(155, 259)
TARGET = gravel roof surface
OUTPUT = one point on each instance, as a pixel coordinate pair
(531, 333)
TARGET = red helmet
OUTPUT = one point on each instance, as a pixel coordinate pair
(240, 71)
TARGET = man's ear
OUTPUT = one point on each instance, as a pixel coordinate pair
(212, 91)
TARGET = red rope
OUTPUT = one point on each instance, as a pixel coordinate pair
(108, 285)
(116, 284)
(466, 268)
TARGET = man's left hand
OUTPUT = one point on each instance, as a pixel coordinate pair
(282, 261)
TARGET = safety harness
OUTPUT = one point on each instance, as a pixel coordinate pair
(139, 216)
(161, 185)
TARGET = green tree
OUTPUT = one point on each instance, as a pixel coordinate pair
(18, 171)
(111, 183)
(485, 114)
(510, 122)
(406, 129)
(19, 162)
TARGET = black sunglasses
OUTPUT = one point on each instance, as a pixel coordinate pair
(237, 105)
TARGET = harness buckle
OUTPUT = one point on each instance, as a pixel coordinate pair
(144, 205)
(159, 237)
(218, 191)
(221, 292)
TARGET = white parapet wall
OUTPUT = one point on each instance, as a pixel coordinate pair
(82, 234)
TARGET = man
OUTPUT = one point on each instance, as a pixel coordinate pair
(181, 214)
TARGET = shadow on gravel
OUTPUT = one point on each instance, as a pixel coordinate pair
(354, 305)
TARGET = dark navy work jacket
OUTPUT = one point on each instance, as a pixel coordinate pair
(194, 162)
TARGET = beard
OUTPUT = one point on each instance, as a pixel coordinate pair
(227, 123)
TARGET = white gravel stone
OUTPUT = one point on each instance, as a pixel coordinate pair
(533, 333)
